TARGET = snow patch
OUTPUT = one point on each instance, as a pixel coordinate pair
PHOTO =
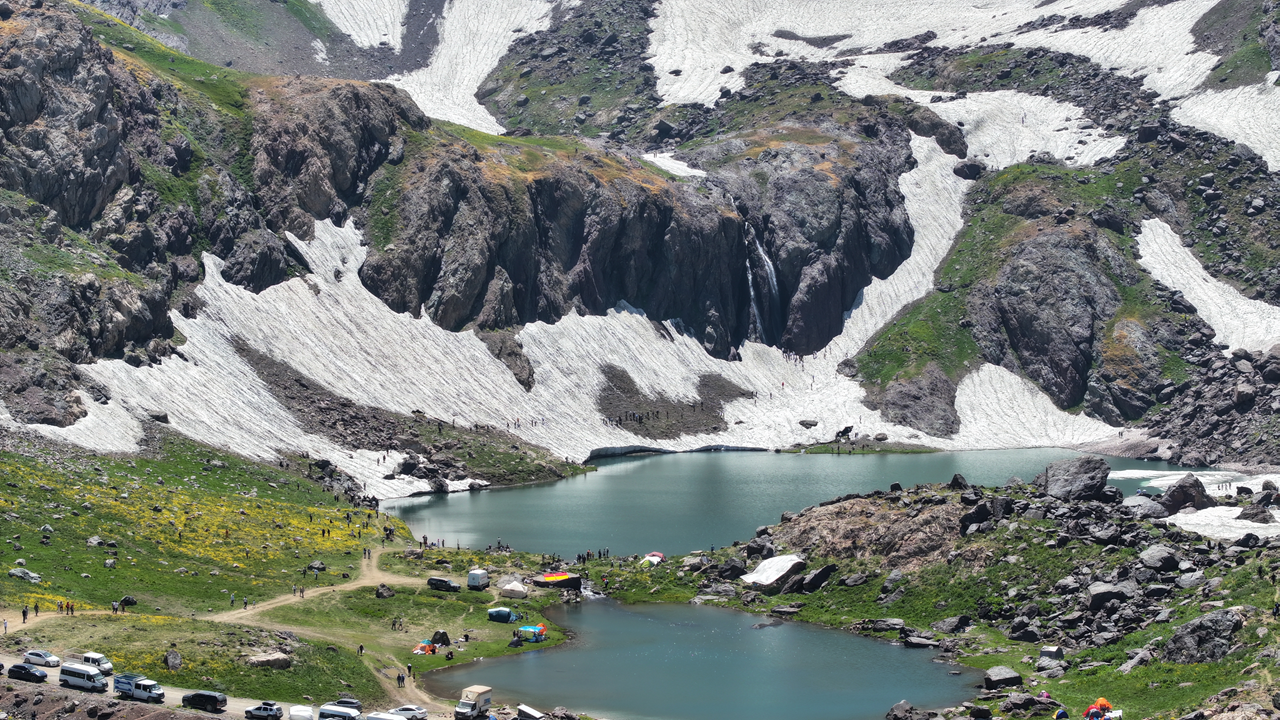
(1220, 523)
(474, 35)
(999, 409)
(369, 22)
(699, 38)
(673, 166)
(1239, 321)
(1249, 114)
(321, 53)
(107, 428)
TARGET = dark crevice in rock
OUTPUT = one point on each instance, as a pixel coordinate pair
(504, 346)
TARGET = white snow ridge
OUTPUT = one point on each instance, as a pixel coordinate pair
(370, 23)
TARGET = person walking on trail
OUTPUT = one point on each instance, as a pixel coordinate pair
(24, 614)
(360, 650)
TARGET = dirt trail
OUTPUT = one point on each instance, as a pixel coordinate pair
(383, 668)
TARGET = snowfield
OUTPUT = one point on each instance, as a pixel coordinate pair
(1249, 114)
(473, 37)
(1239, 321)
(369, 22)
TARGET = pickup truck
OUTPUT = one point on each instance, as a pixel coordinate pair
(93, 659)
(138, 687)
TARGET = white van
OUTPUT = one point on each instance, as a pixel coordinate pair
(301, 712)
(84, 677)
(337, 712)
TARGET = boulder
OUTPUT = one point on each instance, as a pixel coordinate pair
(316, 566)
(1191, 579)
(1001, 676)
(952, 624)
(109, 563)
(732, 569)
(818, 578)
(94, 541)
(1257, 514)
(905, 711)
(1077, 479)
(383, 592)
(855, 580)
(774, 571)
(887, 625)
(128, 601)
(273, 660)
(1204, 639)
(1101, 593)
(173, 660)
(969, 169)
(1187, 492)
(24, 574)
(1161, 558)
(1146, 508)
(1142, 658)
(919, 642)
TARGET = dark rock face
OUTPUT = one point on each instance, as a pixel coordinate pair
(1077, 479)
(63, 136)
(505, 347)
(1204, 639)
(926, 402)
(1044, 311)
(1187, 492)
(316, 143)
(1270, 32)
(257, 262)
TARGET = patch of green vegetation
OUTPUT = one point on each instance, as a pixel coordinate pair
(1247, 66)
(930, 331)
(213, 656)
(384, 213)
(223, 87)
(190, 524)
(75, 257)
(312, 18)
(169, 25)
(485, 141)
(357, 616)
(239, 15)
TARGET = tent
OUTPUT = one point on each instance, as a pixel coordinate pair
(558, 580)
(537, 633)
(503, 615)
(652, 558)
(514, 590)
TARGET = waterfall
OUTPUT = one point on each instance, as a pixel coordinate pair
(755, 306)
(769, 270)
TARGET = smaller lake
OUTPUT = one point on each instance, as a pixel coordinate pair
(682, 662)
(689, 501)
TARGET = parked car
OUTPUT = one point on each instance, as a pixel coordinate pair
(445, 584)
(410, 712)
(266, 710)
(41, 657)
(352, 703)
(28, 672)
(205, 700)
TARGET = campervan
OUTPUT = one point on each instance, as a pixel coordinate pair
(474, 703)
(477, 580)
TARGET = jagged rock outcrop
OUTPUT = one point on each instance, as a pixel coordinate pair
(1043, 312)
(316, 142)
(63, 136)
(1076, 479)
(1269, 30)
(926, 402)
(1204, 639)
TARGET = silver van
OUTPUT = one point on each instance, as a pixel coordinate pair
(337, 712)
(84, 677)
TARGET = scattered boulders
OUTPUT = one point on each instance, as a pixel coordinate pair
(906, 711)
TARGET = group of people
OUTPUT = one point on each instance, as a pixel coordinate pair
(1100, 708)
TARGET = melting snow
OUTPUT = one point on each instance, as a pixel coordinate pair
(1249, 114)
(1239, 321)
(108, 428)
(673, 166)
(369, 22)
(474, 35)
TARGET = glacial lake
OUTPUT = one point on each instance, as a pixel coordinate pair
(689, 501)
(682, 662)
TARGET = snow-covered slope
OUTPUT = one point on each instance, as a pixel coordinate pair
(1239, 321)
(473, 37)
(369, 22)
(1249, 114)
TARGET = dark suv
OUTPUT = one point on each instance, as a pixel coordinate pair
(439, 583)
(205, 700)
